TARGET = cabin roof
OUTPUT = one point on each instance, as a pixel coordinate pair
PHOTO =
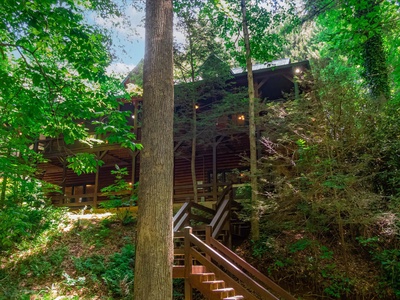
(266, 65)
(274, 65)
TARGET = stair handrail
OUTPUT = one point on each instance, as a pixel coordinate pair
(211, 255)
(181, 218)
(244, 265)
(220, 218)
(184, 215)
(222, 214)
(227, 189)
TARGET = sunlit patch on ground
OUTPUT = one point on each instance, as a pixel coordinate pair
(89, 216)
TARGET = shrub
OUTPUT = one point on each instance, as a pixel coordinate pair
(116, 272)
(22, 223)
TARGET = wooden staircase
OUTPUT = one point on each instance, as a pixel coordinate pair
(212, 288)
(208, 265)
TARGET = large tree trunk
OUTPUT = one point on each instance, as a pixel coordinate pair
(154, 252)
(255, 232)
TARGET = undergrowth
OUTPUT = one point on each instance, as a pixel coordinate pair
(74, 258)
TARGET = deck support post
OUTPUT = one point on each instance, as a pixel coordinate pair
(133, 173)
(214, 183)
(188, 264)
(214, 170)
(209, 230)
(96, 184)
(64, 178)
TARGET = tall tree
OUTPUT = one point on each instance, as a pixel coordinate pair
(189, 61)
(251, 33)
(255, 231)
(188, 17)
(153, 269)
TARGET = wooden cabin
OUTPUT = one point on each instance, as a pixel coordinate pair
(220, 149)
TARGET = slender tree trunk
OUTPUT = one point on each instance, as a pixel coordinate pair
(194, 123)
(255, 231)
(154, 252)
(193, 161)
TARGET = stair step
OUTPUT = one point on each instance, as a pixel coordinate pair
(204, 276)
(225, 292)
(198, 269)
(237, 297)
(215, 284)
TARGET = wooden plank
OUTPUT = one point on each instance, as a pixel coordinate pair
(178, 272)
(249, 268)
(233, 269)
(225, 277)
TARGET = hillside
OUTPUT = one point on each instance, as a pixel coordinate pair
(91, 256)
(83, 257)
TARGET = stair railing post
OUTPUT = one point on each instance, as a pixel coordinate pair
(190, 215)
(230, 217)
(188, 264)
(209, 230)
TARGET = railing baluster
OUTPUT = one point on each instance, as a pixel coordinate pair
(188, 264)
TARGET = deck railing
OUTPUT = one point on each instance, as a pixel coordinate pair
(182, 193)
(229, 267)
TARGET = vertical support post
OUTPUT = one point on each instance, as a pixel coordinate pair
(209, 230)
(214, 183)
(188, 264)
(135, 116)
(296, 89)
(133, 172)
(96, 184)
(229, 242)
(296, 84)
(64, 178)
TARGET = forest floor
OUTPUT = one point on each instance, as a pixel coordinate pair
(91, 256)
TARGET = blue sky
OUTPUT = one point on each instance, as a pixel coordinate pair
(128, 38)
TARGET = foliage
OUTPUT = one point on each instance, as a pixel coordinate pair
(116, 272)
(43, 264)
(264, 19)
(388, 257)
(121, 194)
(26, 223)
(54, 85)
(84, 163)
(363, 31)
(326, 174)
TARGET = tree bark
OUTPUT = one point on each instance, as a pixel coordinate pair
(194, 123)
(154, 251)
(374, 56)
(255, 231)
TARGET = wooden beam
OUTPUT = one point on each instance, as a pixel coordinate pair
(135, 116)
(264, 81)
(64, 177)
(103, 154)
(214, 146)
(178, 145)
(96, 180)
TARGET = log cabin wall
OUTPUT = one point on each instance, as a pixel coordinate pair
(231, 149)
